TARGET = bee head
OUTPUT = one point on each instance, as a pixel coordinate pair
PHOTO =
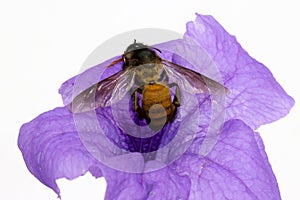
(138, 54)
(135, 46)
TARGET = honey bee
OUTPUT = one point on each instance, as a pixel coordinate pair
(147, 77)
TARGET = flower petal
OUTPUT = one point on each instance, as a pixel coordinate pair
(255, 96)
(161, 184)
(52, 149)
(121, 185)
(237, 167)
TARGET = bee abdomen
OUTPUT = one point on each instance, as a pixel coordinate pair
(157, 105)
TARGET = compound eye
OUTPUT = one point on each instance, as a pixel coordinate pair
(127, 57)
(124, 59)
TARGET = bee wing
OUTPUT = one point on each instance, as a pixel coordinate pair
(199, 82)
(104, 93)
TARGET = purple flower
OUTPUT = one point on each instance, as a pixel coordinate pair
(233, 165)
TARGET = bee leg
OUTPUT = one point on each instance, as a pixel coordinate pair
(173, 113)
(176, 101)
(177, 98)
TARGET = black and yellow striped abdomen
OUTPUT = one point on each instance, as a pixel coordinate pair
(157, 105)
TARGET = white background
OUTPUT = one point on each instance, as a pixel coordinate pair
(43, 43)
